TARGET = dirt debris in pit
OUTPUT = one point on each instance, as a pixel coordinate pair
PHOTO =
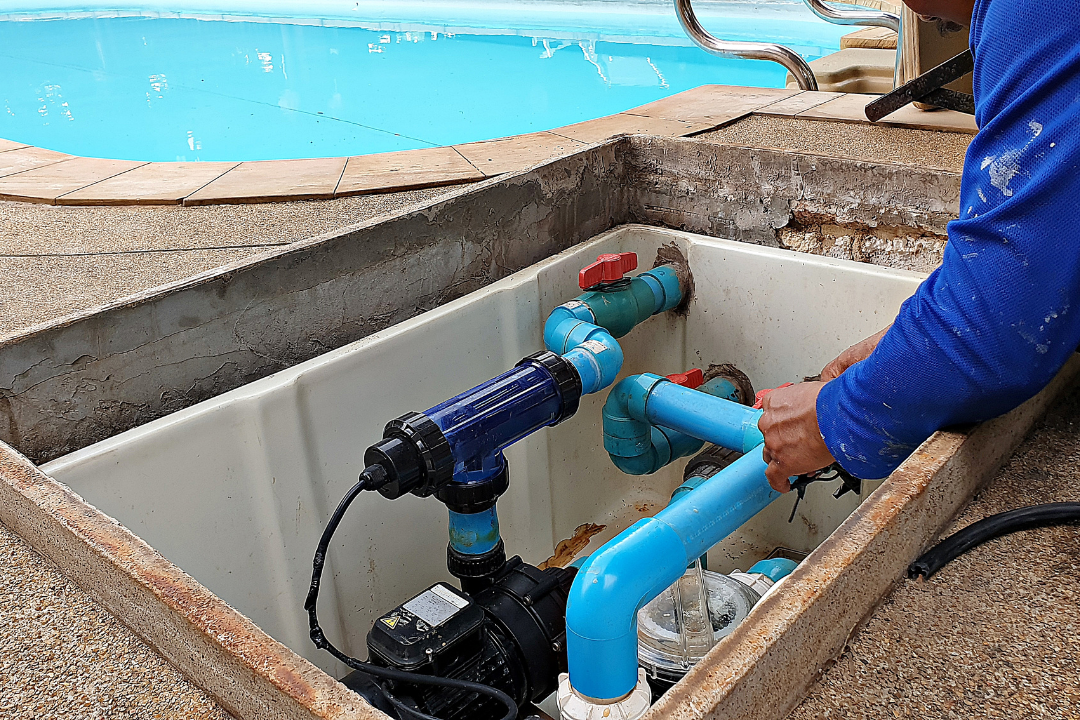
(671, 254)
(899, 247)
(996, 633)
(64, 657)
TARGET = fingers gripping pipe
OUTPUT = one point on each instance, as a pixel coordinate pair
(639, 563)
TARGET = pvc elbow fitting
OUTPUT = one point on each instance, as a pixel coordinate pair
(636, 566)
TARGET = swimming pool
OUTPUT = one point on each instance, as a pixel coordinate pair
(246, 80)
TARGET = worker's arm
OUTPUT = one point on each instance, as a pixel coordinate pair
(996, 321)
(999, 318)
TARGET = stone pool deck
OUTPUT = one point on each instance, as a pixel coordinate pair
(31, 174)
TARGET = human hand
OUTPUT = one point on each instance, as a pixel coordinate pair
(859, 351)
(793, 442)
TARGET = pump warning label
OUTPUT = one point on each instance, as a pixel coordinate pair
(435, 605)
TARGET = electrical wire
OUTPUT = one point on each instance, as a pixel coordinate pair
(372, 478)
(988, 528)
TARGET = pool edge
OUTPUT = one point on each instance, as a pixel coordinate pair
(31, 174)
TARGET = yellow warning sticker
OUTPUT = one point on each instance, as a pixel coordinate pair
(391, 622)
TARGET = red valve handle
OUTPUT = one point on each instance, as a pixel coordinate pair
(760, 397)
(607, 268)
(691, 378)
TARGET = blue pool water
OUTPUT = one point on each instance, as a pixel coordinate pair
(265, 80)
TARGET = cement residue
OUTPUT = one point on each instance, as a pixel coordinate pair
(855, 141)
(58, 260)
(63, 656)
(993, 634)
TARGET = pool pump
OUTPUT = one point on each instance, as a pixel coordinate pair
(510, 636)
(497, 644)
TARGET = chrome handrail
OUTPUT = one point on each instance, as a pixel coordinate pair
(865, 18)
(748, 50)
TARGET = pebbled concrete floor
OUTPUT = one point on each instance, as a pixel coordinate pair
(994, 634)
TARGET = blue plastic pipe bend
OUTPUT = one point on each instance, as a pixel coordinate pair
(585, 329)
(639, 448)
(636, 566)
(728, 424)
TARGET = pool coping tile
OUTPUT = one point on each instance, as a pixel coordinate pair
(600, 129)
(159, 183)
(716, 104)
(273, 181)
(46, 183)
(851, 108)
(27, 158)
(6, 145)
(509, 154)
(798, 103)
(405, 170)
(194, 183)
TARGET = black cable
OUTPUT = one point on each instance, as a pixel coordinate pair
(989, 528)
(373, 477)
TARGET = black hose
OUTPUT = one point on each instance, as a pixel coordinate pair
(373, 477)
(989, 528)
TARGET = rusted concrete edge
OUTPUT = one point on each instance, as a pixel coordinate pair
(249, 673)
(764, 669)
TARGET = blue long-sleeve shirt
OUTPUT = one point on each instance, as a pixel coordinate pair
(1001, 315)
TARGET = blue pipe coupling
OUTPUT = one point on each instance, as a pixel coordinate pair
(650, 421)
(585, 329)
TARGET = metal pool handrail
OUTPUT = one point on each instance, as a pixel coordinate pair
(748, 50)
(865, 18)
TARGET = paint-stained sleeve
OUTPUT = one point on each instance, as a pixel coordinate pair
(991, 326)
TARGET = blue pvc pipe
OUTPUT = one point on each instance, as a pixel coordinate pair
(474, 533)
(584, 329)
(639, 563)
(637, 448)
(773, 568)
(728, 424)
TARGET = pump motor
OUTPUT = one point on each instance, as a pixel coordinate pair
(510, 636)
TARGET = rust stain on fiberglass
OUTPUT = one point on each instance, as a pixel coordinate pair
(568, 548)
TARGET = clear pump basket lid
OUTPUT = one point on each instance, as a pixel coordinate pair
(683, 623)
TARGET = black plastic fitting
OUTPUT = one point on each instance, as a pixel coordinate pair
(475, 572)
(566, 378)
(415, 454)
(474, 497)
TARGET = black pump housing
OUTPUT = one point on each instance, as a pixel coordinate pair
(511, 635)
